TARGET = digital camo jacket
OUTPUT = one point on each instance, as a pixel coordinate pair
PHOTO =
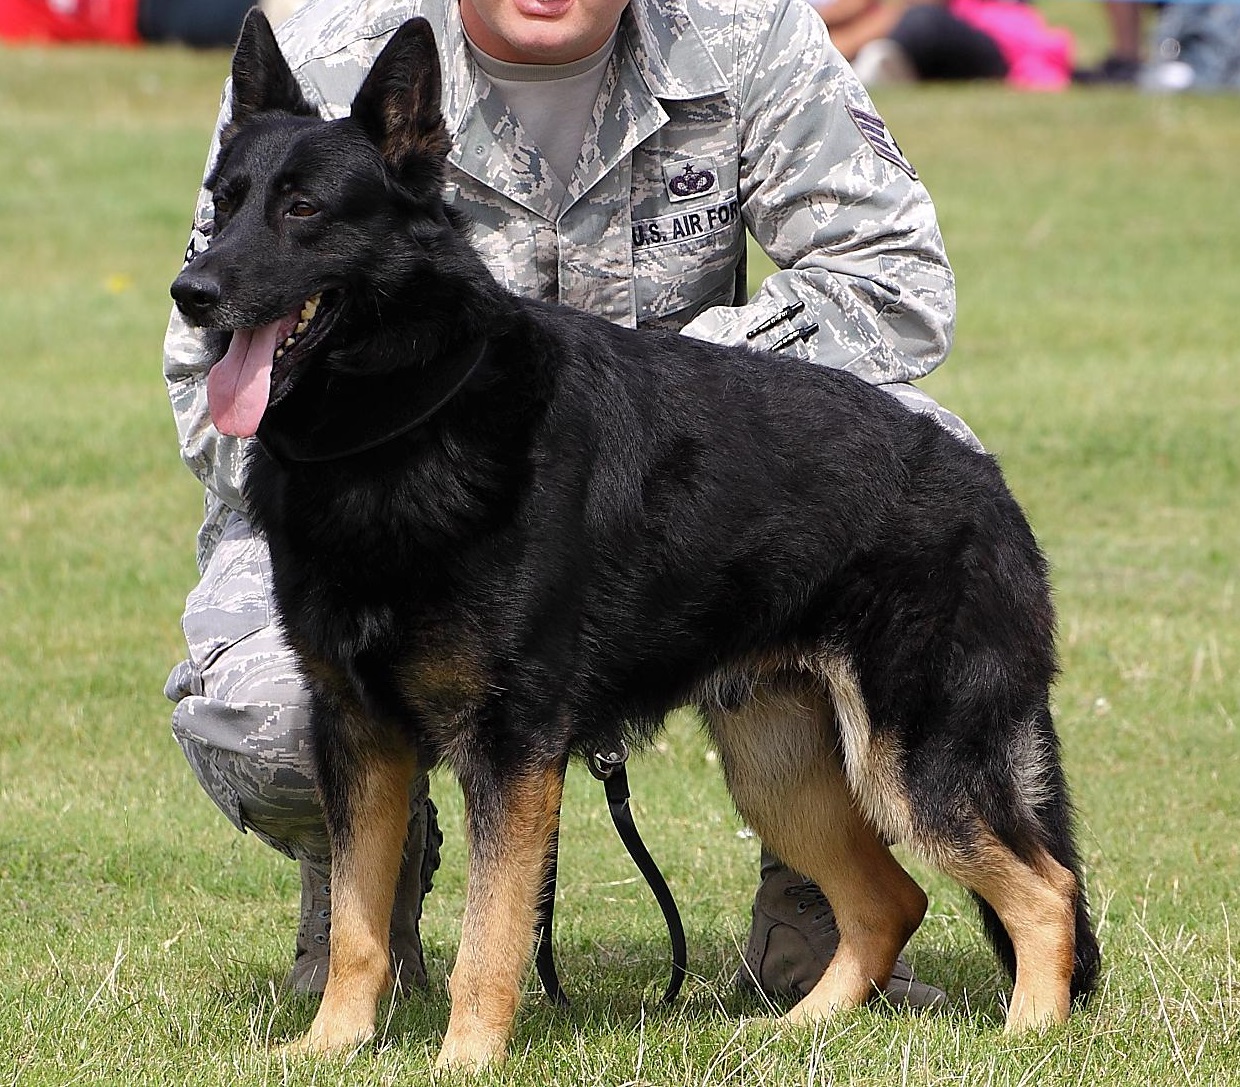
(715, 117)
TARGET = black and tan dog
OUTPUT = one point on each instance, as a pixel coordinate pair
(503, 531)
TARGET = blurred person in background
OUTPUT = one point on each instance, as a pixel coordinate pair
(1196, 48)
(901, 41)
(200, 23)
(1193, 46)
(1123, 63)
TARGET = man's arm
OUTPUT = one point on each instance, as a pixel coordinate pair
(827, 194)
(189, 353)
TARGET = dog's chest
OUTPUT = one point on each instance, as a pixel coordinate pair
(443, 684)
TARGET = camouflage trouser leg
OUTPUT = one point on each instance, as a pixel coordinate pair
(242, 714)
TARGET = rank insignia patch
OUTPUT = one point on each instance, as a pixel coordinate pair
(877, 136)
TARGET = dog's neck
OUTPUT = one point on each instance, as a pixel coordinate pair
(328, 416)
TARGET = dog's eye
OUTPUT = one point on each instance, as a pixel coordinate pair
(302, 209)
(223, 205)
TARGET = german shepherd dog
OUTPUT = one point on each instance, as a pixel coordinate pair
(505, 532)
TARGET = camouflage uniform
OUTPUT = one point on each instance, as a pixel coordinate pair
(715, 117)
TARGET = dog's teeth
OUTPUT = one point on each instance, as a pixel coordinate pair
(279, 352)
(311, 304)
(301, 327)
(289, 342)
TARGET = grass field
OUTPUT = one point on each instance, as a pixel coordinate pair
(141, 940)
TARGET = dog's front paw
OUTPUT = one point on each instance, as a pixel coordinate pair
(324, 1039)
(470, 1053)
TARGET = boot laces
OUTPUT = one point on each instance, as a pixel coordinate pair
(809, 896)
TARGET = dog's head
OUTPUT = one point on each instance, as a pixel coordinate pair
(316, 223)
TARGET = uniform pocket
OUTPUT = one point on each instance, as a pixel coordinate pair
(687, 261)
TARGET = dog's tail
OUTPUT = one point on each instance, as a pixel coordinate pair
(1016, 793)
(1049, 829)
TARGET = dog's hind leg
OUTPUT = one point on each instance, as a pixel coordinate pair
(1035, 901)
(511, 818)
(783, 768)
(994, 815)
(365, 791)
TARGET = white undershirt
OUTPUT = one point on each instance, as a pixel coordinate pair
(553, 102)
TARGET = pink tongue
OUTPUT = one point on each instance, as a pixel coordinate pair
(240, 383)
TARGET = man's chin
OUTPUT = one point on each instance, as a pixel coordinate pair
(536, 31)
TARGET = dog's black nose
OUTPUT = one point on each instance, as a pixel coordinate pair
(195, 294)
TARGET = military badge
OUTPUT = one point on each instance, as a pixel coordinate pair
(686, 180)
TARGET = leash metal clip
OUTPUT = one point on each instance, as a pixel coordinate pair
(603, 764)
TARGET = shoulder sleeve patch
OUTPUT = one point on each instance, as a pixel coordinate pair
(877, 136)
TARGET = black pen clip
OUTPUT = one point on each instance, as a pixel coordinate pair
(792, 337)
(785, 314)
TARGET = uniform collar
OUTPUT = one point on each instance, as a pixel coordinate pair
(659, 54)
(663, 43)
(669, 51)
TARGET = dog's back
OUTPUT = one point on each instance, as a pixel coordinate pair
(712, 502)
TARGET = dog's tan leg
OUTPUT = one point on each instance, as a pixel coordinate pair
(788, 781)
(366, 861)
(509, 843)
(877, 908)
(1037, 904)
(877, 904)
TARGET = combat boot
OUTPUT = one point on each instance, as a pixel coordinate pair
(794, 936)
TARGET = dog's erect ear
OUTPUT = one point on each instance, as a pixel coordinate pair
(398, 103)
(261, 78)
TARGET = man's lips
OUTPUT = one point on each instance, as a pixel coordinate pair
(544, 9)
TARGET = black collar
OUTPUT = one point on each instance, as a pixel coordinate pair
(328, 416)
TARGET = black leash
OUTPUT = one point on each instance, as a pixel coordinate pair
(544, 956)
(609, 768)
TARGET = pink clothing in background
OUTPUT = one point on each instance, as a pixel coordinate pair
(1039, 56)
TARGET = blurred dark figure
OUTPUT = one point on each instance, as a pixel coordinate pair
(200, 23)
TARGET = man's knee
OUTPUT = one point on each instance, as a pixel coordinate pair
(242, 716)
(254, 760)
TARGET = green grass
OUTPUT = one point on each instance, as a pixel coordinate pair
(141, 939)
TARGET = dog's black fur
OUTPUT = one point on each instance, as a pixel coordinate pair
(600, 525)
